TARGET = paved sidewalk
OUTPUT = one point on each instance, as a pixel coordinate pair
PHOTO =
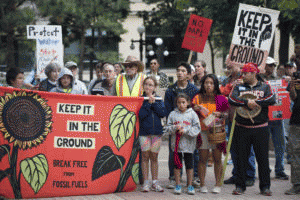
(278, 187)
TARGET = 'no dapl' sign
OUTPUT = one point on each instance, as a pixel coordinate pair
(253, 35)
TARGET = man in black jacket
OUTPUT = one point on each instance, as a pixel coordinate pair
(252, 131)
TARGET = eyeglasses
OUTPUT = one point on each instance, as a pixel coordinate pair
(153, 63)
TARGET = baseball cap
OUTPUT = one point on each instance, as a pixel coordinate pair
(270, 61)
(70, 64)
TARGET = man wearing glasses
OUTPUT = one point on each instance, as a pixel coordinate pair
(130, 83)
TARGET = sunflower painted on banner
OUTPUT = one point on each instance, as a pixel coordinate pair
(25, 121)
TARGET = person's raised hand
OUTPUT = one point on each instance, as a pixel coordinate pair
(217, 114)
(237, 81)
(197, 108)
(151, 99)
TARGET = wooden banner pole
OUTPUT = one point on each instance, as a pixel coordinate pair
(228, 148)
(190, 57)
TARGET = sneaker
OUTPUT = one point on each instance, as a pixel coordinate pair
(238, 191)
(196, 182)
(177, 189)
(157, 188)
(190, 190)
(293, 191)
(249, 182)
(146, 188)
(171, 184)
(231, 180)
(282, 176)
(203, 189)
(266, 192)
(229, 162)
(216, 190)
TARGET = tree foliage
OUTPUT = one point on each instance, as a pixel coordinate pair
(76, 16)
(174, 14)
(170, 17)
(14, 17)
(289, 24)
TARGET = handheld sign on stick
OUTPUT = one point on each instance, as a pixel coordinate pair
(253, 35)
(196, 34)
(49, 46)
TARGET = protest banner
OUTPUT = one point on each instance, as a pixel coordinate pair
(54, 145)
(49, 46)
(253, 35)
(281, 110)
(196, 34)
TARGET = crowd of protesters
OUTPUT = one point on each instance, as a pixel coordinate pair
(196, 107)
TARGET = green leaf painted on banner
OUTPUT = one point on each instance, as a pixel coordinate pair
(4, 149)
(135, 173)
(105, 162)
(35, 171)
(121, 125)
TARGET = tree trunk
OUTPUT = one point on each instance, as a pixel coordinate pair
(284, 43)
(212, 54)
(178, 41)
(10, 57)
(82, 52)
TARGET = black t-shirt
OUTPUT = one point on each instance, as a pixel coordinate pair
(295, 118)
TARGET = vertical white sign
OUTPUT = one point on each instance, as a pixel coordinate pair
(253, 35)
(49, 46)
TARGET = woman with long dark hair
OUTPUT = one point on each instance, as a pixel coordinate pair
(209, 101)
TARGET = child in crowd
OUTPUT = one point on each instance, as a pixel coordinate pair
(151, 130)
(184, 126)
(65, 83)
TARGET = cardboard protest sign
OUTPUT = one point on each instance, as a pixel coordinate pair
(196, 33)
(54, 145)
(253, 35)
(281, 110)
(49, 46)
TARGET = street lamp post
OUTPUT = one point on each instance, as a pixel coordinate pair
(141, 30)
(158, 42)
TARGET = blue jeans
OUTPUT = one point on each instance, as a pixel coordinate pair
(251, 166)
(278, 136)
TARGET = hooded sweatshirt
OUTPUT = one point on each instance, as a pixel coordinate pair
(74, 89)
(191, 127)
